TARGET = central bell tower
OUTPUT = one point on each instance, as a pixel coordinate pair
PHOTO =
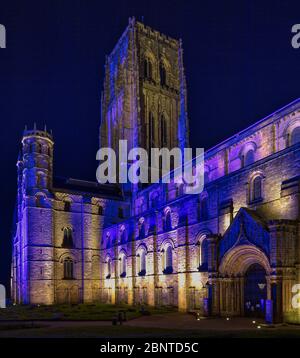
(144, 96)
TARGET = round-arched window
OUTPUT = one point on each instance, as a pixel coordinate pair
(257, 188)
(249, 157)
(295, 136)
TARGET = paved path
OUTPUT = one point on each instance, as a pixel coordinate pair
(147, 325)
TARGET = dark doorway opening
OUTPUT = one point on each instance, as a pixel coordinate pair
(255, 291)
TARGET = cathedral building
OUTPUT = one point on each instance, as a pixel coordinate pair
(232, 250)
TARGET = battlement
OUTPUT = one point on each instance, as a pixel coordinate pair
(148, 31)
(37, 133)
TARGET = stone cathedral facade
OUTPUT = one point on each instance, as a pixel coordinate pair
(231, 250)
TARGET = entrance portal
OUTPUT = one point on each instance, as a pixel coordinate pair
(255, 291)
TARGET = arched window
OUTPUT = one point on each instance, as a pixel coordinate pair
(204, 209)
(203, 254)
(38, 148)
(164, 133)
(123, 236)
(68, 269)
(257, 188)
(249, 157)
(100, 210)
(168, 221)
(122, 265)
(163, 74)
(108, 268)
(295, 136)
(141, 264)
(206, 177)
(68, 238)
(151, 130)
(147, 68)
(67, 205)
(40, 201)
(141, 230)
(168, 260)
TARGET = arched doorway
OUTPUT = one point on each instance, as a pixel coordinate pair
(243, 277)
(255, 291)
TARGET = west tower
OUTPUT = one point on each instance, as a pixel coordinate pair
(32, 261)
(144, 93)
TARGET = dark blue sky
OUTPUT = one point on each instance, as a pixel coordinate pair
(240, 67)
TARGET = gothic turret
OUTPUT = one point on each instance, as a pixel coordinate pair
(37, 161)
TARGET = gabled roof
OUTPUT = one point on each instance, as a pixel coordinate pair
(248, 227)
(70, 185)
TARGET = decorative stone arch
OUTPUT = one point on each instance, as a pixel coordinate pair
(239, 259)
(65, 255)
(142, 247)
(201, 235)
(232, 276)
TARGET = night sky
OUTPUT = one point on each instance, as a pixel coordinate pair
(240, 67)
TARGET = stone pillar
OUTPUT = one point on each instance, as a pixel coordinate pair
(283, 257)
(213, 289)
(153, 271)
(130, 278)
(183, 280)
(276, 297)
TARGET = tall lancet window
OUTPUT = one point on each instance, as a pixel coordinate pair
(164, 131)
(68, 269)
(257, 188)
(151, 131)
(67, 238)
(163, 74)
(168, 259)
(147, 68)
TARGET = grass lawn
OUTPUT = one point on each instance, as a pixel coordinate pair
(80, 312)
